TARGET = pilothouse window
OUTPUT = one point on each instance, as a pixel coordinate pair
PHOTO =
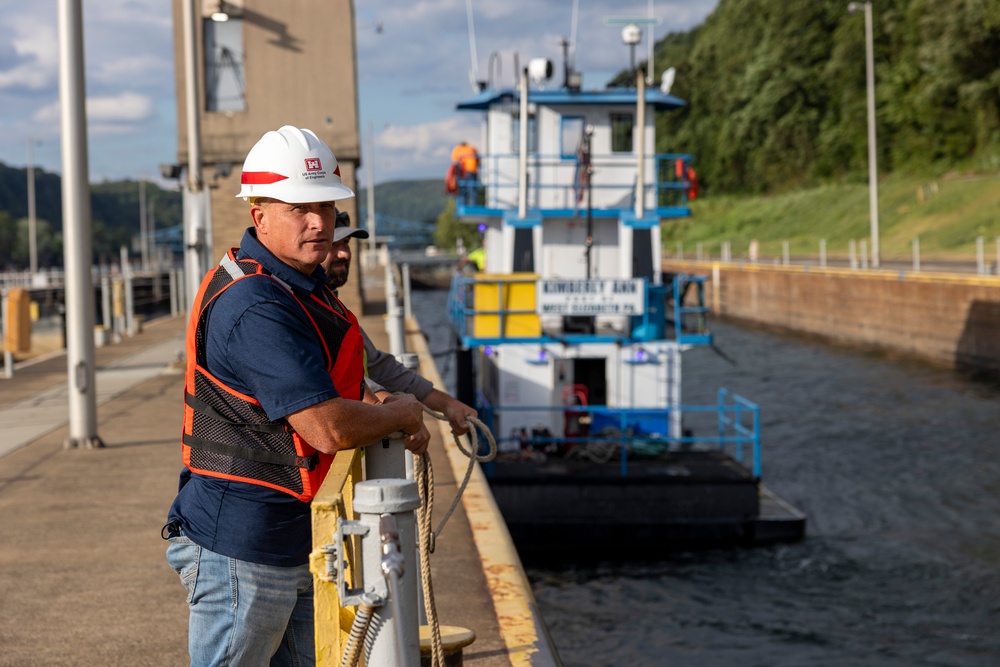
(532, 135)
(622, 126)
(571, 137)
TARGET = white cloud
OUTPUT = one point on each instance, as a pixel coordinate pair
(420, 151)
(29, 55)
(411, 74)
(126, 107)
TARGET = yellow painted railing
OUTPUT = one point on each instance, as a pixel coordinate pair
(335, 499)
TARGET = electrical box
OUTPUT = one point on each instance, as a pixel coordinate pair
(17, 321)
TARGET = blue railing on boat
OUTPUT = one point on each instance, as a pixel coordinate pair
(497, 316)
(634, 430)
(557, 186)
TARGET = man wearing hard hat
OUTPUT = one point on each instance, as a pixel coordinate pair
(273, 390)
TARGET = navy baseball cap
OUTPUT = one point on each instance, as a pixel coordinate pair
(343, 229)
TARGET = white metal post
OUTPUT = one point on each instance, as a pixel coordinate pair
(8, 356)
(386, 459)
(143, 233)
(32, 223)
(640, 149)
(522, 159)
(872, 162)
(394, 631)
(394, 314)
(370, 197)
(195, 203)
(79, 290)
(407, 306)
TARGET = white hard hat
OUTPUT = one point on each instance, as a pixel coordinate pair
(293, 165)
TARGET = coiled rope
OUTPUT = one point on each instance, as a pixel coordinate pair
(423, 473)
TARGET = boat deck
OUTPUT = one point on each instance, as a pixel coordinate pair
(687, 499)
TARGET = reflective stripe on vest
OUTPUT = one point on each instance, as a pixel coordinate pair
(227, 434)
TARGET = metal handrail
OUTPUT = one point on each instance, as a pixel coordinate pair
(732, 413)
(562, 173)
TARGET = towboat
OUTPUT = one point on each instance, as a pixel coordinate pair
(571, 338)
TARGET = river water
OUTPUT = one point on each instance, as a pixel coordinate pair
(897, 467)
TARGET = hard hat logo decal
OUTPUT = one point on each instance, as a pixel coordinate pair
(313, 164)
(336, 172)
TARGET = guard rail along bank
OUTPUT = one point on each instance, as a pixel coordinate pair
(947, 319)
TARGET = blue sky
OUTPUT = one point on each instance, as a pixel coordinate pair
(411, 73)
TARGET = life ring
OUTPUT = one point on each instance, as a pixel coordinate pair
(452, 177)
(692, 179)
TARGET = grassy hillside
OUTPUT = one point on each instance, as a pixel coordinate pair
(956, 209)
(416, 200)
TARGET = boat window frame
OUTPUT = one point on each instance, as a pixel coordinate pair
(576, 133)
(515, 134)
(619, 134)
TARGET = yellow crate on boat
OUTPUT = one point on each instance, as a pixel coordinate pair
(506, 297)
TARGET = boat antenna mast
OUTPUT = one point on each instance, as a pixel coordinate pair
(477, 85)
(632, 34)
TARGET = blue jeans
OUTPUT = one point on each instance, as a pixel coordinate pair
(244, 614)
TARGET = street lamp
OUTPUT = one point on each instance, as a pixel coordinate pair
(872, 167)
(220, 15)
(32, 225)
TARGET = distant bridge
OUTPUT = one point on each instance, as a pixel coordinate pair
(400, 233)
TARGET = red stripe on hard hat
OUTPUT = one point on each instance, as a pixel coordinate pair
(337, 170)
(261, 178)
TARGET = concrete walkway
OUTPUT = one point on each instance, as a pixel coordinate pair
(83, 579)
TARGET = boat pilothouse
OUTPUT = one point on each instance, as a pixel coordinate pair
(572, 332)
(576, 237)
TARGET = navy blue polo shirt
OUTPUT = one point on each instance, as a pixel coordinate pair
(258, 342)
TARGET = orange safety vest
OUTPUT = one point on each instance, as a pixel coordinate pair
(226, 433)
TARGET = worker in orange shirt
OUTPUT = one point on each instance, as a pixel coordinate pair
(466, 159)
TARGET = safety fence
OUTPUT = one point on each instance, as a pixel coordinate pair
(559, 182)
(634, 432)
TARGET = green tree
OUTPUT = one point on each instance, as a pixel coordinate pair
(448, 229)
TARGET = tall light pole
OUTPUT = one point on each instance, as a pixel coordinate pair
(77, 247)
(143, 237)
(195, 200)
(372, 241)
(872, 165)
(32, 224)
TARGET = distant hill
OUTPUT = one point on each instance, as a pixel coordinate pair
(114, 216)
(115, 212)
(776, 92)
(419, 201)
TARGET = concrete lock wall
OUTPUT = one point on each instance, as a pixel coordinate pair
(947, 319)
